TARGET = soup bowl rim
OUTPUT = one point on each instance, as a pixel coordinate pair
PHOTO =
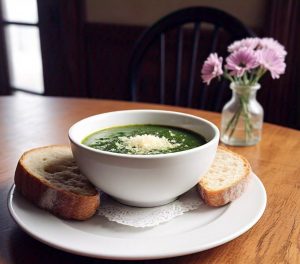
(78, 142)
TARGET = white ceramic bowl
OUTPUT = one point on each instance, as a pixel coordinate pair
(144, 180)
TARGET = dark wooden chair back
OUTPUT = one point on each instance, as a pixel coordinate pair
(179, 43)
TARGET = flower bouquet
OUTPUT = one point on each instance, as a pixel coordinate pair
(248, 60)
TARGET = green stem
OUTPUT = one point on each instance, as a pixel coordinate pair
(245, 79)
(251, 78)
(228, 76)
(261, 71)
(231, 121)
(244, 111)
(247, 117)
(235, 123)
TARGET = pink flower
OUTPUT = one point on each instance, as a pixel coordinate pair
(250, 43)
(270, 60)
(240, 61)
(273, 44)
(212, 68)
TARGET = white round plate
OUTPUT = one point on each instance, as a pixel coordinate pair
(192, 232)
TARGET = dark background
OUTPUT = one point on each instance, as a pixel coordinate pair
(87, 56)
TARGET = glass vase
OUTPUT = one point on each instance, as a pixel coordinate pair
(242, 117)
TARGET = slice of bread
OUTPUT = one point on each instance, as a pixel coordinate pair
(226, 179)
(49, 178)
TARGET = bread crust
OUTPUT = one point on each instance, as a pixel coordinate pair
(62, 203)
(228, 194)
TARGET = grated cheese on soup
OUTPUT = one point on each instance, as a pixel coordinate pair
(144, 139)
(142, 144)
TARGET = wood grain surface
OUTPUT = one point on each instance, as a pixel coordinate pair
(31, 121)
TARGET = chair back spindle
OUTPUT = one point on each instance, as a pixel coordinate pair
(162, 67)
(214, 41)
(193, 63)
(178, 64)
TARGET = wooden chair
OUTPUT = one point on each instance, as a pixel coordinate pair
(179, 43)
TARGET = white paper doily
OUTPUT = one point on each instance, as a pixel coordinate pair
(148, 217)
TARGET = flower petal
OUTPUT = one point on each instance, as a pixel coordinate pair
(212, 68)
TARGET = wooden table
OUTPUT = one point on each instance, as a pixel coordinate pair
(32, 121)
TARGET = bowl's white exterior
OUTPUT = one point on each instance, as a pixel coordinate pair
(144, 180)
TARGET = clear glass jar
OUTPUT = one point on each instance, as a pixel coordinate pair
(242, 117)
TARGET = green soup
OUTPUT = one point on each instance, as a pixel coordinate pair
(144, 139)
